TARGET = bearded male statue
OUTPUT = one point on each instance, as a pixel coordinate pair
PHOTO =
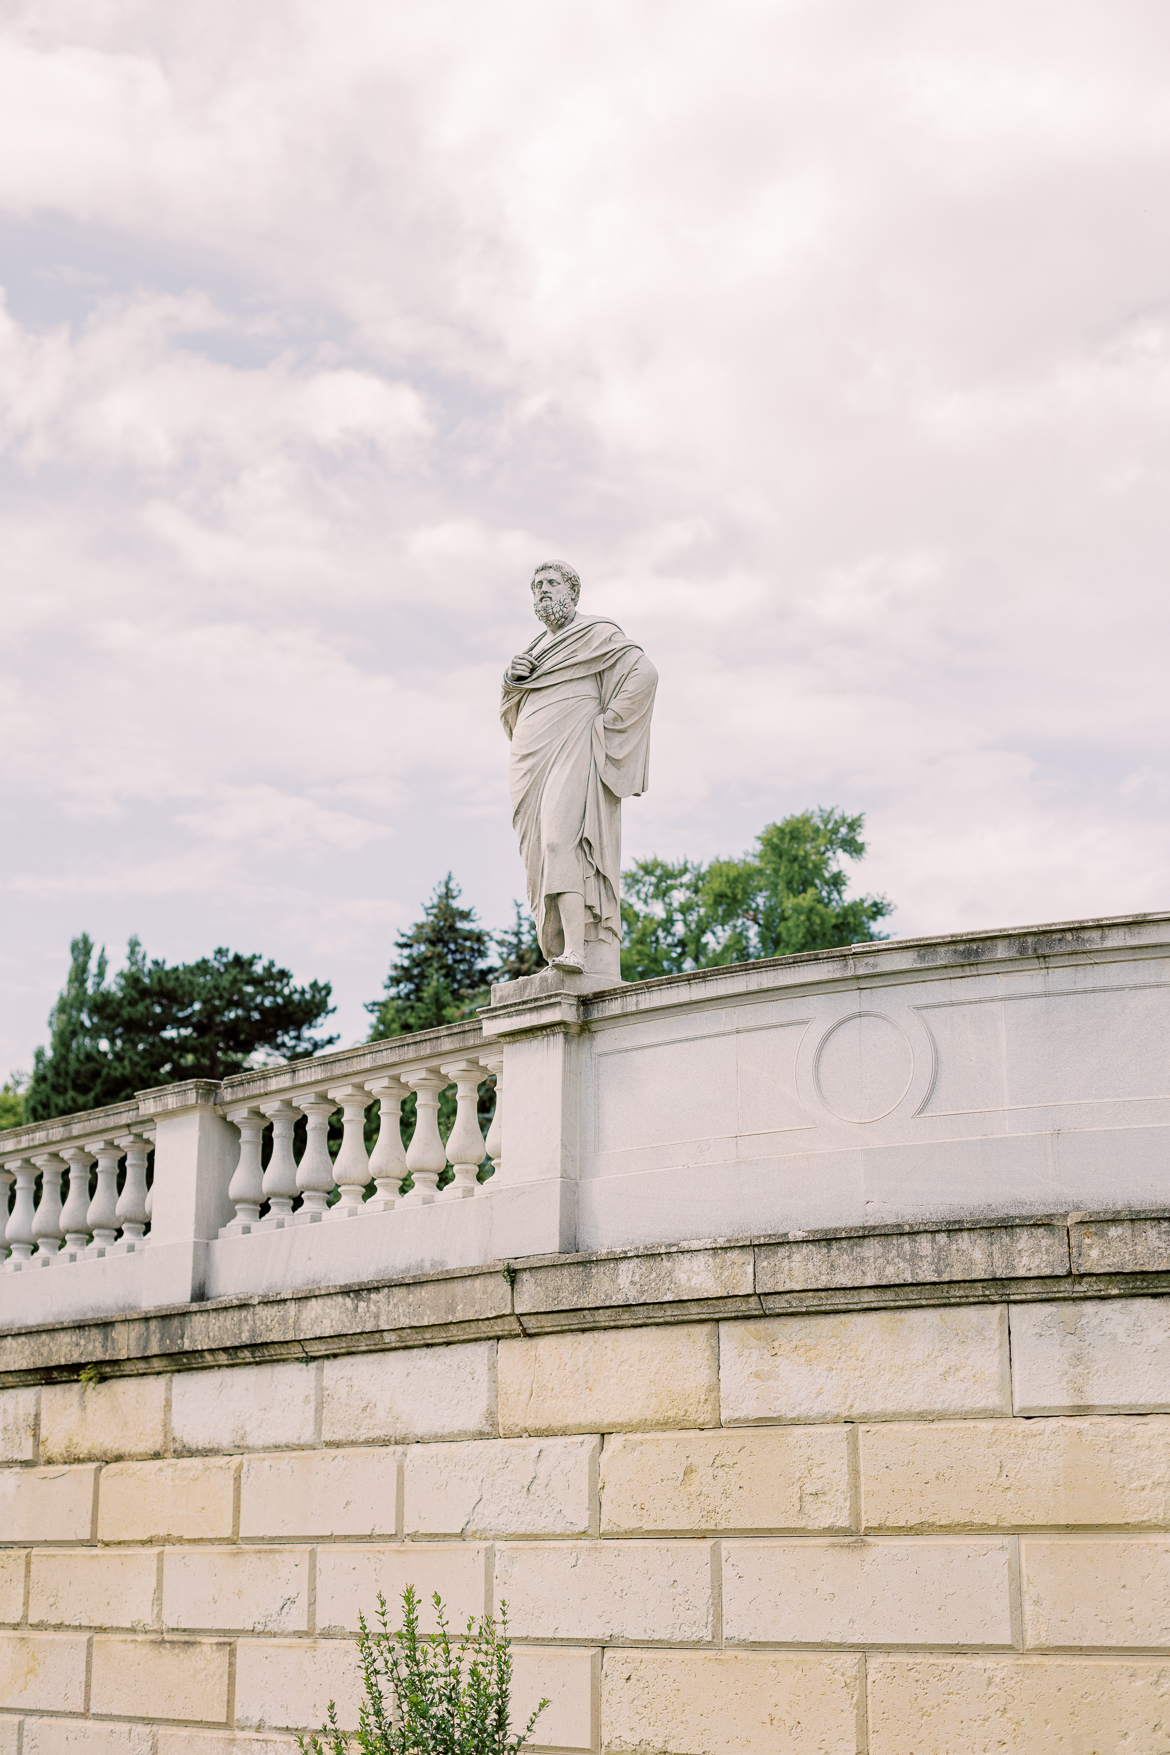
(576, 705)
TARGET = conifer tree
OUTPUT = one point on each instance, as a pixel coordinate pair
(440, 973)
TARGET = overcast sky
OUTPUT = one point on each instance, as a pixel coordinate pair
(830, 342)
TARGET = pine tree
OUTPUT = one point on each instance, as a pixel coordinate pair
(155, 1023)
(441, 972)
(518, 948)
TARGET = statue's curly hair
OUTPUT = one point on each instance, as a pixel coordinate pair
(572, 579)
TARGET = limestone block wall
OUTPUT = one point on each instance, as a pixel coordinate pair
(904, 1531)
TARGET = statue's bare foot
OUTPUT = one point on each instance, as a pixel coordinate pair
(569, 960)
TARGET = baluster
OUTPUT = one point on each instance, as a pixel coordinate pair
(19, 1233)
(6, 1180)
(315, 1172)
(388, 1160)
(74, 1215)
(351, 1169)
(131, 1211)
(465, 1143)
(246, 1188)
(47, 1224)
(102, 1217)
(427, 1158)
(494, 1143)
(280, 1178)
(148, 1134)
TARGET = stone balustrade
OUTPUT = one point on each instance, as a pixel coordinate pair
(1014, 1073)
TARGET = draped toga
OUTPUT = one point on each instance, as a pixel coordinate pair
(580, 731)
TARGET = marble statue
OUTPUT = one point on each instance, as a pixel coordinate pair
(576, 705)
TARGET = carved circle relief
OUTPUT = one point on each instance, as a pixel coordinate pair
(863, 1067)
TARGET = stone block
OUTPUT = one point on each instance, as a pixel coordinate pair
(1114, 1245)
(13, 1566)
(1100, 1355)
(670, 1278)
(1016, 1706)
(173, 1501)
(94, 1587)
(18, 1425)
(47, 1505)
(1006, 1474)
(602, 1591)
(570, 1682)
(1096, 1591)
(10, 1730)
(917, 1592)
(914, 1257)
(172, 1678)
(320, 1493)
(731, 1703)
(610, 1380)
(288, 1684)
(502, 1487)
(120, 1417)
(785, 1478)
(72, 1736)
(349, 1579)
(411, 1394)
(866, 1365)
(244, 1407)
(42, 1672)
(246, 1590)
(186, 1741)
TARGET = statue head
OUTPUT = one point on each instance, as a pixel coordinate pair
(555, 590)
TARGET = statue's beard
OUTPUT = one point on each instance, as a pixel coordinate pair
(557, 614)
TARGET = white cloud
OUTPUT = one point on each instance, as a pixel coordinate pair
(829, 343)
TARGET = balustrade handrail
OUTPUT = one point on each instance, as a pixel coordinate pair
(42, 1232)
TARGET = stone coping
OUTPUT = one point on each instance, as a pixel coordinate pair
(988, 1260)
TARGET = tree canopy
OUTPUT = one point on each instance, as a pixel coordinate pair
(155, 1023)
(441, 971)
(786, 896)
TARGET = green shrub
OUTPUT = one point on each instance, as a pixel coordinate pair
(426, 1697)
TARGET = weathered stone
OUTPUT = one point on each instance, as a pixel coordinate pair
(246, 1407)
(167, 1501)
(320, 1493)
(95, 1587)
(186, 1741)
(1099, 1355)
(10, 1729)
(570, 1682)
(1005, 1474)
(616, 1380)
(85, 1736)
(18, 1425)
(866, 1365)
(914, 1257)
(13, 1566)
(916, 1592)
(1064, 1706)
(246, 1590)
(1096, 1591)
(180, 1678)
(121, 1417)
(42, 1672)
(731, 1703)
(47, 1505)
(349, 1579)
(420, 1393)
(602, 1591)
(788, 1478)
(648, 1279)
(502, 1487)
(1120, 1246)
(288, 1684)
